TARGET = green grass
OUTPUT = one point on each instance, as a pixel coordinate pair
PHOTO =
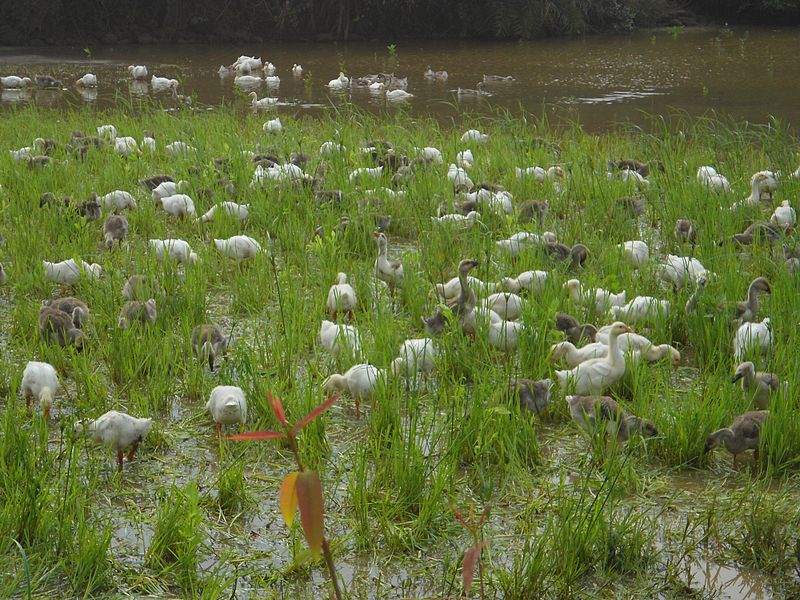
(572, 516)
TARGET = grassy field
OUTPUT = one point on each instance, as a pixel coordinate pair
(194, 516)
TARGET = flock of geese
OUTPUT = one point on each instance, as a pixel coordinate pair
(249, 74)
(596, 358)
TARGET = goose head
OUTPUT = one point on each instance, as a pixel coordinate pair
(743, 370)
(618, 328)
(466, 265)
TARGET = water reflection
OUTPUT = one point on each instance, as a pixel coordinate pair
(88, 94)
(12, 96)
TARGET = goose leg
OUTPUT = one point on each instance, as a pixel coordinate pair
(218, 429)
(119, 460)
(358, 408)
(132, 453)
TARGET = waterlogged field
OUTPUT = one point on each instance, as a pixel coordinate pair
(570, 515)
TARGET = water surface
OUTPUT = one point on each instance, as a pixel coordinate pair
(599, 80)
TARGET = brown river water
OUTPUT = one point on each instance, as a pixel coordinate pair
(599, 80)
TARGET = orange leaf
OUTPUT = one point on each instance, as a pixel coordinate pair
(485, 513)
(309, 497)
(258, 435)
(314, 413)
(471, 557)
(460, 518)
(287, 498)
(277, 407)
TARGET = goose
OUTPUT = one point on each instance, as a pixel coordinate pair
(479, 90)
(177, 205)
(115, 230)
(167, 188)
(398, 95)
(577, 254)
(178, 250)
(681, 270)
(747, 310)
(641, 308)
(365, 172)
(341, 297)
(596, 375)
(467, 300)
(600, 298)
(40, 381)
(272, 126)
(117, 430)
(331, 148)
(640, 167)
(691, 303)
(768, 185)
(708, 177)
(465, 159)
(591, 412)
(533, 209)
(498, 78)
(87, 81)
(246, 64)
(247, 81)
(476, 319)
(262, 103)
(631, 345)
(390, 272)
(754, 199)
(506, 304)
(12, 82)
(551, 174)
(228, 406)
(107, 132)
(752, 335)
(458, 219)
(360, 381)
(272, 81)
(574, 356)
(59, 327)
(117, 200)
(74, 307)
(416, 355)
(69, 272)
(135, 311)
(636, 252)
(531, 281)
(238, 247)
(178, 148)
(743, 434)
(784, 216)
(47, 81)
(762, 233)
(685, 231)
(458, 177)
(239, 212)
(449, 291)
(575, 331)
(336, 337)
(297, 70)
(534, 396)
(525, 239)
(208, 343)
(757, 384)
(340, 83)
(163, 84)
(138, 72)
(629, 176)
(125, 146)
(431, 154)
(473, 135)
(504, 335)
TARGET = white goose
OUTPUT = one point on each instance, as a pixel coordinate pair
(752, 335)
(600, 298)
(525, 239)
(69, 272)
(416, 355)
(87, 81)
(163, 84)
(596, 375)
(238, 247)
(336, 337)
(138, 72)
(12, 82)
(506, 304)
(467, 220)
(532, 281)
(40, 381)
(178, 205)
(297, 70)
(236, 211)
(754, 199)
(390, 272)
(398, 95)
(261, 103)
(709, 177)
(167, 188)
(125, 146)
(178, 250)
(117, 430)
(340, 83)
(359, 381)
(228, 406)
(636, 252)
(341, 297)
(473, 135)
(682, 270)
(117, 200)
(465, 159)
(272, 126)
(505, 335)
(784, 216)
(641, 308)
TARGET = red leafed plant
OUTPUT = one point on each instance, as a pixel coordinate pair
(472, 555)
(303, 488)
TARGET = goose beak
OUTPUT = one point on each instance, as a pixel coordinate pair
(737, 377)
(628, 329)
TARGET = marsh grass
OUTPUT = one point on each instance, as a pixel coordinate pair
(570, 511)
